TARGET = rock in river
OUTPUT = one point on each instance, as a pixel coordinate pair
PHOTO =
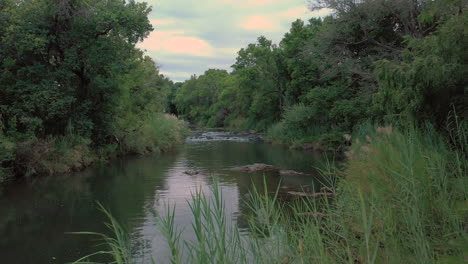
(191, 172)
(255, 167)
(291, 172)
(265, 167)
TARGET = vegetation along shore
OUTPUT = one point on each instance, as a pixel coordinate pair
(382, 83)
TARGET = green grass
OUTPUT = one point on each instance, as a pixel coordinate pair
(400, 198)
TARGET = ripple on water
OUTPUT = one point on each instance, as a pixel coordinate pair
(222, 136)
(36, 216)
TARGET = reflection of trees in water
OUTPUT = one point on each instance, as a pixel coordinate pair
(35, 216)
(217, 156)
(39, 213)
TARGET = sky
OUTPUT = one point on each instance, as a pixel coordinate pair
(190, 36)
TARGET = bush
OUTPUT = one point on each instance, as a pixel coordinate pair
(158, 132)
(298, 128)
(293, 127)
(7, 156)
(63, 154)
(238, 123)
(53, 155)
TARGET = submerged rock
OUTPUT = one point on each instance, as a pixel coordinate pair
(255, 167)
(265, 167)
(313, 146)
(291, 172)
(191, 172)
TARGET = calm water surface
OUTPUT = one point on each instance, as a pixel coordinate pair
(36, 216)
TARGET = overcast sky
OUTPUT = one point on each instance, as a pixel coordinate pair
(193, 36)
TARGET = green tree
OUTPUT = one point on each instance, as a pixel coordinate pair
(301, 72)
(196, 98)
(262, 88)
(61, 61)
(430, 81)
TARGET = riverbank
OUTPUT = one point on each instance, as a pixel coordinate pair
(70, 153)
(400, 198)
(38, 213)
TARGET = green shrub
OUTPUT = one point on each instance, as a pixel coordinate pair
(237, 124)
(158, 132)
(53, 155)
(63, 154)
(7, 156)
(298, 127)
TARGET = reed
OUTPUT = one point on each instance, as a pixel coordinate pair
(400, 198)
(118, 245)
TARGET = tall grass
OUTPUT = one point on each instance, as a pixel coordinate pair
(118, 246)
(401, 198)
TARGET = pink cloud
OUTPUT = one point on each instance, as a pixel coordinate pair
(176, 42)
(253, 2)
(259, 22)
(264, 2)
(188, 45)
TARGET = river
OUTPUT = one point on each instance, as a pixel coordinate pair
(35, 215)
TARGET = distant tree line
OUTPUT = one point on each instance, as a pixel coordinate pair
(370, 61)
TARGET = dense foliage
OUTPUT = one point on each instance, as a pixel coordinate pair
(385, 61)
(72, 79)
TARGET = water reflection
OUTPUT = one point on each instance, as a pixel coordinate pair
(35, 216)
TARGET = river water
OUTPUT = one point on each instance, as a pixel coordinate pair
(36, 215)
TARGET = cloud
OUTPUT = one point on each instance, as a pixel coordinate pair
(263, 2)
(249, 3)
(159, 22)
(177, 75)
(321, 12)
(259, 22)
(187, 45)
(177, 42)
(191, 37)
(294, 13)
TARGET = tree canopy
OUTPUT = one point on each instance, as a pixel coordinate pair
(61, 62)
